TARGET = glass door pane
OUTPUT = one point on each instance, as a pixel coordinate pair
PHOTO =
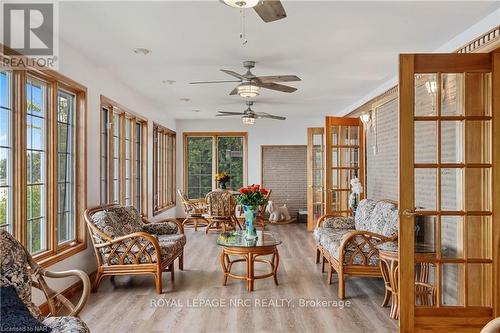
(446, 190)
(344, 162)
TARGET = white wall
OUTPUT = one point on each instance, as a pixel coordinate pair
(265, 132)
(98, 81)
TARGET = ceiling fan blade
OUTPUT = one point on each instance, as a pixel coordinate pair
(224, 113)
(223, 81)
(270, 116)
(278, 87)
(278, 78)
(270, 10)
(232, 73)
(234, 91)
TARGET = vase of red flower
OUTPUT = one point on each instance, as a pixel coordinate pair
(251, 198)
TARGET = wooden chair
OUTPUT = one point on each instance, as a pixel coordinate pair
(221, 206)
(195, 210)
(126, 244)
(14, 272)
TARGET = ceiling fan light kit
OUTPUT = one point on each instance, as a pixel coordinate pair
(242, 3)
(248, 120)
(248, 90)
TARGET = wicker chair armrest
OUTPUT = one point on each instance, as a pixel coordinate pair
(74, 310)
(196, 204)
(134, 237)
(322, 219)
(351, 235)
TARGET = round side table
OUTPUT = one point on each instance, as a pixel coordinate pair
(234, 243)
(425, 292)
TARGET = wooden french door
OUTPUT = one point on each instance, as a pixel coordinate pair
(344, 155)
(315, 175)
(449, 190)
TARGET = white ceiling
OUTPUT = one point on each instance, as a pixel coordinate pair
(341, 50)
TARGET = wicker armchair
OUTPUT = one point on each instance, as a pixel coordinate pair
(14, 272)
(349, 245)
(195, 210)
(126, 244)
(221, 205)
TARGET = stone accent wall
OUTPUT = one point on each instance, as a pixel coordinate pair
(284, 171)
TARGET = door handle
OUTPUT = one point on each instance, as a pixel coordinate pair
(409, 213)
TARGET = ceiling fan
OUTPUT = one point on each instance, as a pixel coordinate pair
(251, 84)
(249, 116)
(268, 10)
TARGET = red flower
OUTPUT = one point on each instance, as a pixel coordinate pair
(263, 191)
(243, 190)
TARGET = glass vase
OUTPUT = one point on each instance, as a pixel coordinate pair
(250, 213)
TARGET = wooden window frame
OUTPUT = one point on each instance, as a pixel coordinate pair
(123, 113)
(55, 82)
(214, 136)
(160, 188)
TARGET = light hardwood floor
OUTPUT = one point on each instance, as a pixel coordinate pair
(128, 306)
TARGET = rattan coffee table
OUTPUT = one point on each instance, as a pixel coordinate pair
(234, 244)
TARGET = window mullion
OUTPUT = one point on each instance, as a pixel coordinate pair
(111, 155)
(51, 151)
(133, 167)
(19, 156)
(122, 159)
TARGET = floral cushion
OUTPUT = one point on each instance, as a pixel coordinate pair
(363, 214)
(66, 324)
(384, 219)
(118, 221)
(170, 246)
(322, 235)
(160, 228)
(340, 222)
(14, 270)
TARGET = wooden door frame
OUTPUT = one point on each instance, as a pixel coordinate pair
(431, 63)
(343, 121)
(311, 132)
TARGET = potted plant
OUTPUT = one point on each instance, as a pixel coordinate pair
(222, 178)
(251, 198)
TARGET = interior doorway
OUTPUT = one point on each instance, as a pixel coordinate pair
(284, 171)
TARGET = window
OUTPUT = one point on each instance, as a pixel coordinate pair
(123, 156)
(206, 154)
(6, 151)
(66, 169)
(42, 131)
(163, 169)
(36, 163)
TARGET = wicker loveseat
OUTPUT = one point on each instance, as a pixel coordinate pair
(15, 273)
(126, 244)
(348, 244)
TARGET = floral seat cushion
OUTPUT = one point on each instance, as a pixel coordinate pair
(171, 245)
(66, 324)
(323, 235)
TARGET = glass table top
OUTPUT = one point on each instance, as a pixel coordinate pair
(237, 239)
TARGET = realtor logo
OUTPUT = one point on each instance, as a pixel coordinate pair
(30, 29)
